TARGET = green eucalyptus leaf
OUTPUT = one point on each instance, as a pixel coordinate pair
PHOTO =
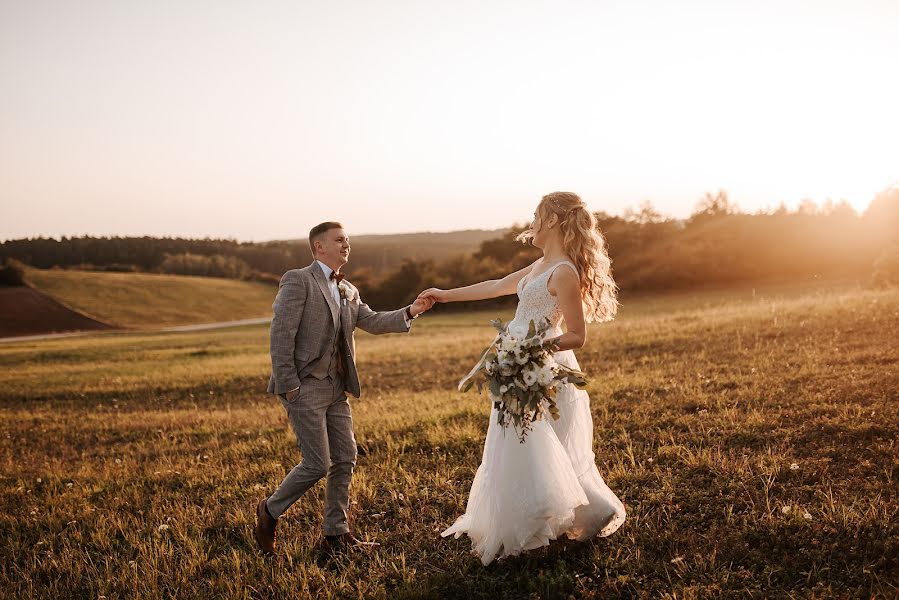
(498, 325)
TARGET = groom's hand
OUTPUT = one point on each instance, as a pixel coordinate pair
(291, 395)
(421, 305)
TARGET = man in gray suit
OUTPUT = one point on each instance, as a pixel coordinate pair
(313, 368)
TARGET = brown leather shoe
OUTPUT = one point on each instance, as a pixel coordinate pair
(265, 529)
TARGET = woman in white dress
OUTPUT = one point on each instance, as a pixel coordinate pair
(526, 494)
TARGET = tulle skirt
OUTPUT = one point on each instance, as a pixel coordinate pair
(525, 495)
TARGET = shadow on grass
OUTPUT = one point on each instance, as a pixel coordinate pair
(554, 571)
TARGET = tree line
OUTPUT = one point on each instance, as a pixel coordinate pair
(214, 258)
(716, 245)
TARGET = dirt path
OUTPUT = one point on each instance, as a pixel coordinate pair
(197, 327)
(201, 326)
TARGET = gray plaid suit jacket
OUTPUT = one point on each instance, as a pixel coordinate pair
(304, 328)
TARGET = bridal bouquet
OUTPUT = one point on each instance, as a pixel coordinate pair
(521, 377)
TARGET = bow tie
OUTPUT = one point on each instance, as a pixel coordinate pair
(338, 277)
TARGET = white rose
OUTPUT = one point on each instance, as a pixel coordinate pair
(545, 376)
(347, 291)
(530, 377)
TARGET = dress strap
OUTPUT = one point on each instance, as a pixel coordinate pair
(564, 262)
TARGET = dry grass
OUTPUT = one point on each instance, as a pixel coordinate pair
(148, 301)
(131, 463)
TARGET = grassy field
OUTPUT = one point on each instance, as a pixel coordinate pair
(148, 301)
(753, 438)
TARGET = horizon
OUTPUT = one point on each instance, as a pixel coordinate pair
(181, 121)
(622, 215)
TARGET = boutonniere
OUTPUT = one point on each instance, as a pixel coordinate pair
(347, 292)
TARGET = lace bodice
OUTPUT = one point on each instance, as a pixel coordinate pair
(536, 303)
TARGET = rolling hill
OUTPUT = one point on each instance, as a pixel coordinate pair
(150, 301)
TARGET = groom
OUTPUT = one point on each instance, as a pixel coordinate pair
(313, 368)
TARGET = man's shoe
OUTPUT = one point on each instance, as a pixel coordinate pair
(265, 529)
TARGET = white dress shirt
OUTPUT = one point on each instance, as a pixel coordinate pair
(332, 283)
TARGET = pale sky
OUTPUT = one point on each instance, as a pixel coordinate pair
(257, 120)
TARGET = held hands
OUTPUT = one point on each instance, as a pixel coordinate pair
(421, 305)
(427, 299)
(434, 294)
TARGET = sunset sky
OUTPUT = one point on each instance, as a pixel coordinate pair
(257, 120)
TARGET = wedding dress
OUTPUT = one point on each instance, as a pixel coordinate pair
(525, 495)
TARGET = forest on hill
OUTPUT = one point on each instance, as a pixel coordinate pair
(262, 261)
(716, 246)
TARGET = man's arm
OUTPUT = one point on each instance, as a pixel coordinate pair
(288, 311)
(393, 321)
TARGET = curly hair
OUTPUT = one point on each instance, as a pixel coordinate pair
(586, 246)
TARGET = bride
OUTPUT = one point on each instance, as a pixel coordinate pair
(526, 494)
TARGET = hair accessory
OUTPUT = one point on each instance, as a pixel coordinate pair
(555, 203)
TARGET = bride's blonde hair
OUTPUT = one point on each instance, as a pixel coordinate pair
(584, 243)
